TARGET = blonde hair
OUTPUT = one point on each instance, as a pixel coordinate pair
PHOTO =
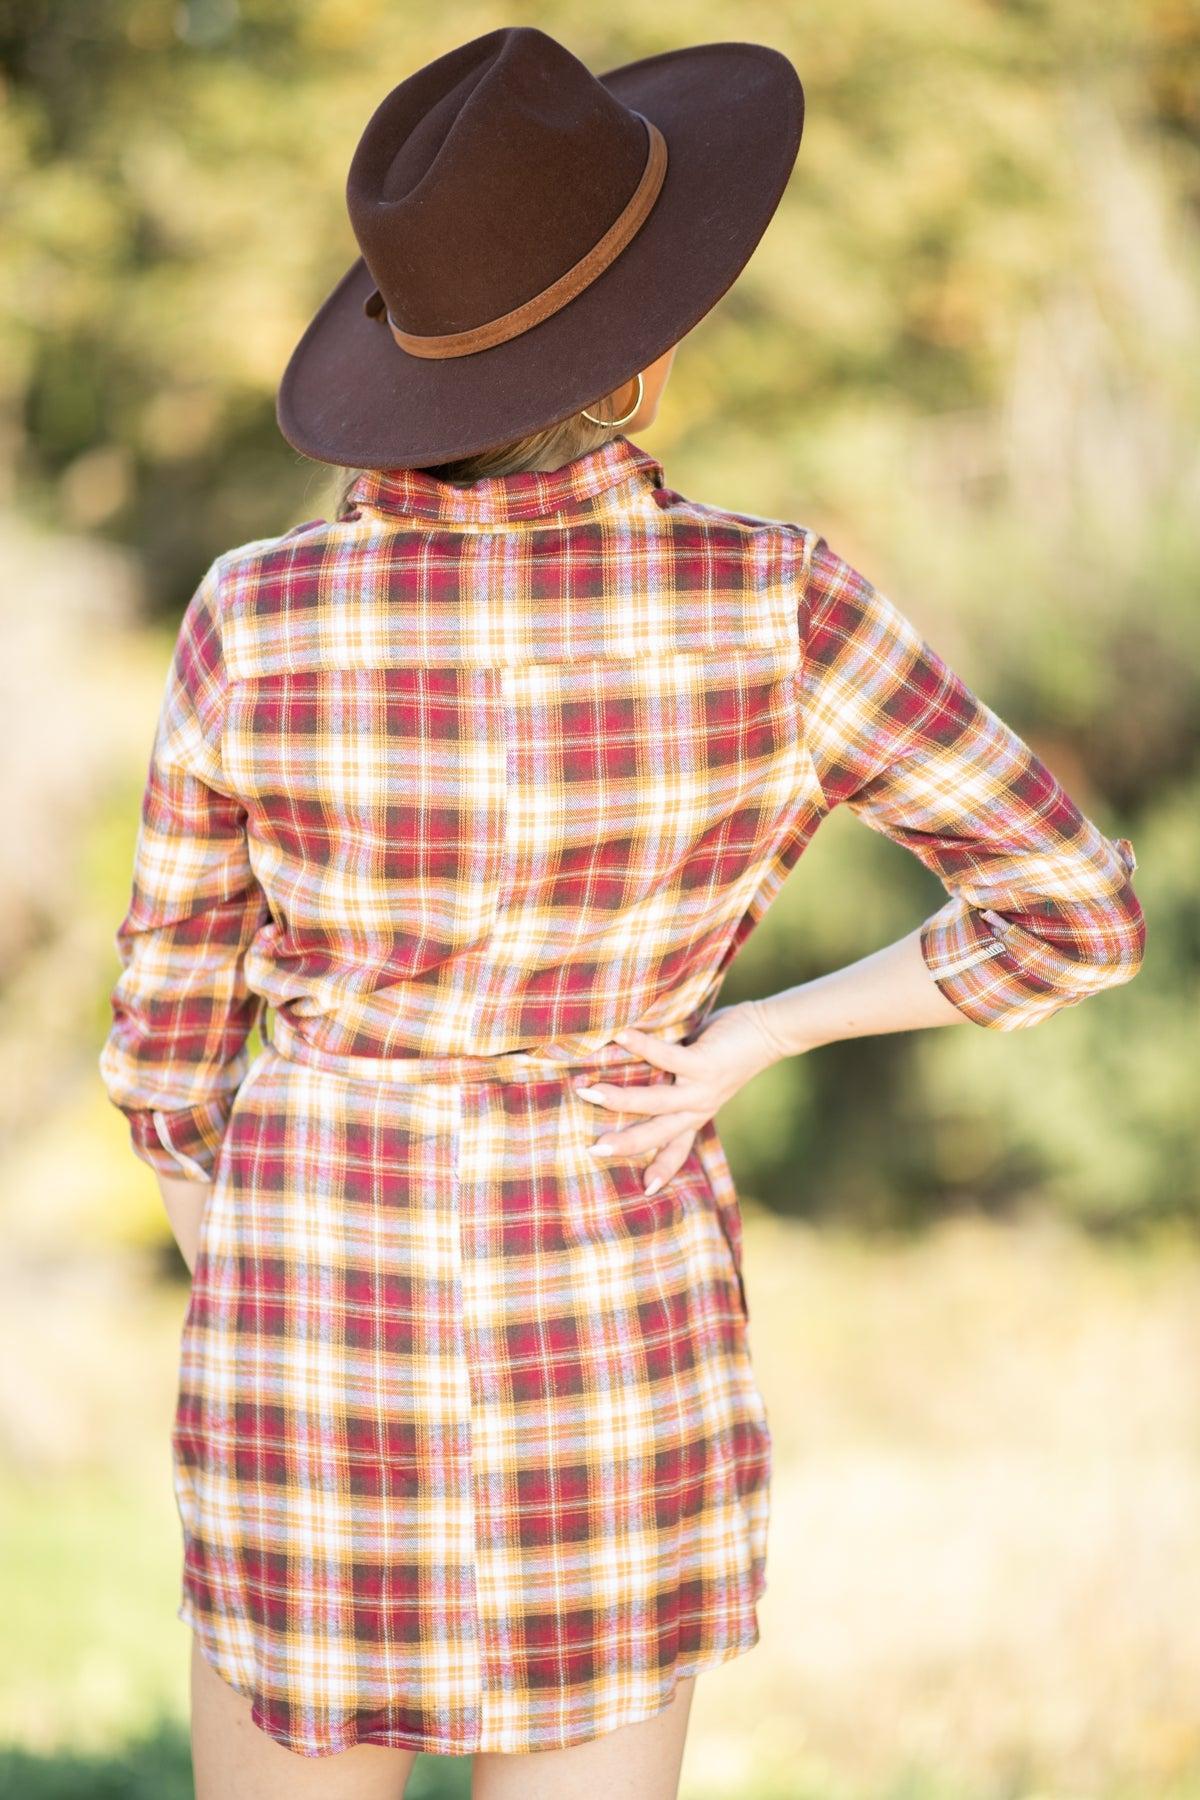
(548, 448)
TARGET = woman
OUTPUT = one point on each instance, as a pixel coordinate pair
(478, 786)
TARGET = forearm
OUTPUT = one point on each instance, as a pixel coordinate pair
(184, 1201)
(889, 990)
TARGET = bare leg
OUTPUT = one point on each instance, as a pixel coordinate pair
(232, 1759)
(635, 1762)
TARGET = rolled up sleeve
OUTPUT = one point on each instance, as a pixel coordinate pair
(1041, 910)
(175, 1053)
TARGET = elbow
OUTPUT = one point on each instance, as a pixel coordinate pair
(1121, 933)
(1101, 944)
(1124, 939)
(1111, 943)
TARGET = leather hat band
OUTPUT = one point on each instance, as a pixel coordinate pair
(531, 312)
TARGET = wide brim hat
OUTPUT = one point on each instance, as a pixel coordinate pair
(532, 236)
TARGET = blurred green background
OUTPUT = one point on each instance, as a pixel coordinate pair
(967, 351)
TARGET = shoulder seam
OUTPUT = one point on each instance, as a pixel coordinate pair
(800, 581)
(704, 511)
(213, 579)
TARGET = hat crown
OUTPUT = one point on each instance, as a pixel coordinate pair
(484, 177)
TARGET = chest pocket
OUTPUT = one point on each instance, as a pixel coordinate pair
(376, 803)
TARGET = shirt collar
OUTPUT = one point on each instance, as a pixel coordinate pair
(600, 480)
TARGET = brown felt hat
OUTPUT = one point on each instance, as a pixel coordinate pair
(532, 235)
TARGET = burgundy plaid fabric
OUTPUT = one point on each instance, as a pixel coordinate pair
(468, 1448)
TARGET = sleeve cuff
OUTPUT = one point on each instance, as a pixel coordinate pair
(1003, 976)
(182, 1141)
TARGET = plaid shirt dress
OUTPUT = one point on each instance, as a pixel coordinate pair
(468, 1448)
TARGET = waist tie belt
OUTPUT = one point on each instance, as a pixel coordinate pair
(507, 1065)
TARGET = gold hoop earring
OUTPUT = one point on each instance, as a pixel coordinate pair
(628, 415)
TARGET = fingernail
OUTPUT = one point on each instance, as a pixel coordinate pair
(589, 1093)
(602, 1144)
(652, 1187)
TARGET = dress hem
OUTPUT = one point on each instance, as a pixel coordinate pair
(445, 1747)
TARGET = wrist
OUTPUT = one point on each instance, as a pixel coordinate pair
(780, 1039)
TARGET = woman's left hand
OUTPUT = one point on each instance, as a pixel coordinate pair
(732, 1048)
